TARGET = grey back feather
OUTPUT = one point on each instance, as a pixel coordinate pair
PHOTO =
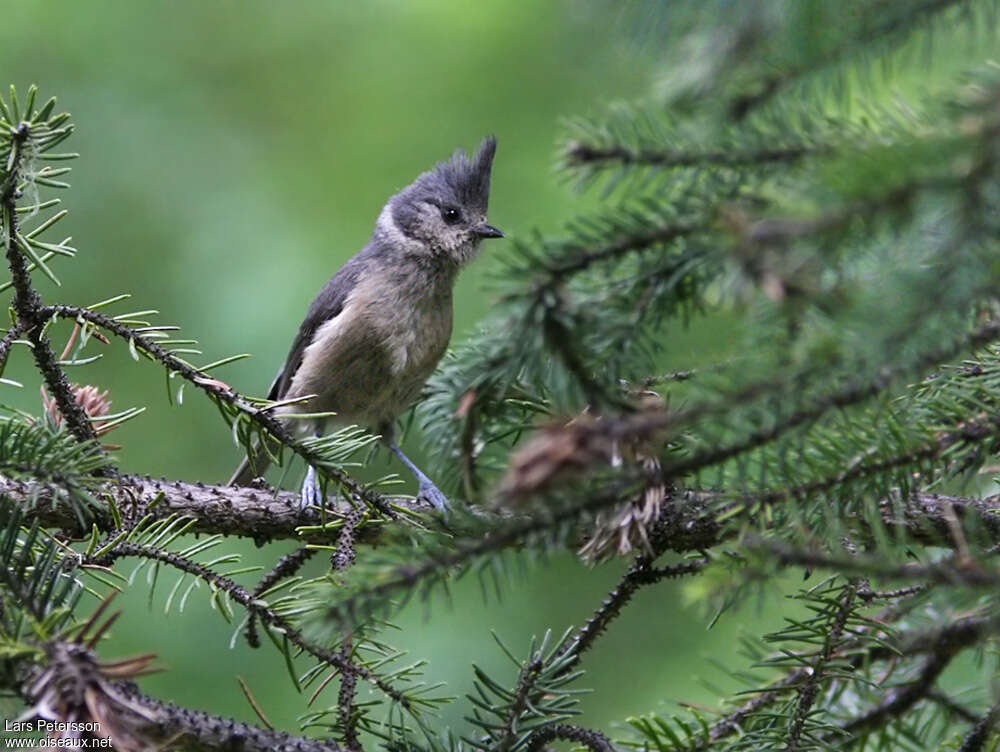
(327, 304)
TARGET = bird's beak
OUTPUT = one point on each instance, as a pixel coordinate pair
(487, 231)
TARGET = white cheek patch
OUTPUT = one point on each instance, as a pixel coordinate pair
(390, 232)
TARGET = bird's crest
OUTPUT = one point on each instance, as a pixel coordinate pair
(469, 179)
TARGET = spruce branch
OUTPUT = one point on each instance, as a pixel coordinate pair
(73, 686)
(950, 571)
(245, 598)
(689, 523)
(222, 393)
(953, 706)
(523, 689)
(579, 154)
(889, 31)
(641, 426)
(595, 741)
(810, 688)
(639, 575)
(898, 701)
(286, 567)
(32, 315)
(262, 514)
(856, 652)
(869, 596)
(15, 332)
(980, 734)
(579, 259)
(347, 713)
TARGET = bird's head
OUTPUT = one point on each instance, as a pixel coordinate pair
(443, 212)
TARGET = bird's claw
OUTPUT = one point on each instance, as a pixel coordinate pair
(431, 494)
(310, 495)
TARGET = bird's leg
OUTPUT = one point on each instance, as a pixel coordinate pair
(311, 495)
(426, 490)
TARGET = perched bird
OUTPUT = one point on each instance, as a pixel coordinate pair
(378, 328)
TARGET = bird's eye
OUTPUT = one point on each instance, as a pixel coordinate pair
(450, 214)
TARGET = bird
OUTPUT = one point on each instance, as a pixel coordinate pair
(378, 328)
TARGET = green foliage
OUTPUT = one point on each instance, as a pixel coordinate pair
(38, 594)
(767, 183)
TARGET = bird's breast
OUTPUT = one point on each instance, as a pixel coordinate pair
(370, 362)
(415, 331)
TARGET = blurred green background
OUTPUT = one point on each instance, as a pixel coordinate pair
(233, 156)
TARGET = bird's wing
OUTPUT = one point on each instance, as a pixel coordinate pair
(327, 304)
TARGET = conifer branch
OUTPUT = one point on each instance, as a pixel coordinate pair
(639, 575)
(346, 710)
(32, 315)
(15, 332)
(810, 688)
(523, 690)
(83, 690)
(945, 640)
(976, 739)
(577, 260)
(951, 571)
(894, 28)
(245, 598)
(953, 706)
(898, 701)
(262, 514)
(581, 154)
(222, 393)
(595, 741)
(286, 567)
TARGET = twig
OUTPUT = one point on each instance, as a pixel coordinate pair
(219, 391)
(245, 598)
(15, 332)
(640, 574)
(579, 155)
(345, 701)
(345, 554)
(953, 571)
(137, 721)
(523, 692)
(950, 638)
(980, 734)
(595, 741)
(32, 315)
(287, 566)
(897, 701)
(690, 522)
(810, 688)
(952, 706)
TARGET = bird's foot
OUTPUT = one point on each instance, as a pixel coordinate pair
(432, 495)
(310, 495)
(426, 490)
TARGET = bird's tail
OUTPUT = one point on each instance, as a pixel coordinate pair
(253, 466)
